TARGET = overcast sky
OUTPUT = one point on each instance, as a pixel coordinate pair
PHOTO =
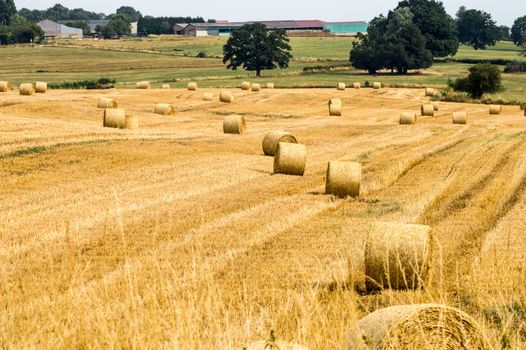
(503, 11)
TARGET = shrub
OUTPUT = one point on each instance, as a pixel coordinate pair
(202, 54)
(482, 78)
(515, 67)
(102, 83)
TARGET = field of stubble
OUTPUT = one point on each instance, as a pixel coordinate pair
(178, 236)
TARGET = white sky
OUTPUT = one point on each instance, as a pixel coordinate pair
(504, 11)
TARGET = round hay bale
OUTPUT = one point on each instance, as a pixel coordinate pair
(234, 124)
(131, 122)
(356, 85)
(246, 86)
(4, 86)
(430, 92)
(343, 179)
(164, 109)
(335, 107)
(114, 118)
(436, 105)
(143, 85)
(208, 96)
(27, 89)
(495, 109)
(427, 110)
(192, 86)
(396, 256)
(256, 87)
(290, 159)
(460, 118)
(420, 326)
(166, 86)
(341, 86)
(377, 85)
(226, 96)
(107, 102)
(407, 118)
(270, 85)
(275, 345)
(41, 87)
(273, 138)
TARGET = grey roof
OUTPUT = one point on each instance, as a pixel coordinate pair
(52, 28)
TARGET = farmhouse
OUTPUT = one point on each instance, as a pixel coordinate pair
(53, 30)
(291, 26)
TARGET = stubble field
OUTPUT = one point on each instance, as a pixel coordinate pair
(178, 236)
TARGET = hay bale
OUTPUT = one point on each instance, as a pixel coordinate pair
(164, 109)
(27, 89)
(460, 118)
(234, 124)
(436, 105)
(273, 138)
(114, 118)
(275, 345)
(420, 326)
(290, 159)
(41, 87)
(208, 96)
(341, 86)
(107, 102)
(396, 256)
(335, 107)
(430, 92)
(356, 85)
(495, 109)
(256, 87)
(166, 86)
(192, 86)
(270, 85)
(4, 86)
(226, 96)
(143, 85)
(427, 110)
(131, 122)
(246, 86)
(343, 179)
(407, 118)
(377, 85)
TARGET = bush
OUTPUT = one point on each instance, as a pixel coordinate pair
(202, 54)
(515, 67)
(482, 78)
(102, 83)
(20, 33)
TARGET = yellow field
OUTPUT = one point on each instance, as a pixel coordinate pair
(178, 236)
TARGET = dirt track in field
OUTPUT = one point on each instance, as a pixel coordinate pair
(177, 235)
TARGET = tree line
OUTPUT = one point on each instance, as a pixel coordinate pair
(417, 31)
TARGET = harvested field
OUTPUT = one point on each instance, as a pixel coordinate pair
(176, 235)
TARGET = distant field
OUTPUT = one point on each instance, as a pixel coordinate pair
(172, 59)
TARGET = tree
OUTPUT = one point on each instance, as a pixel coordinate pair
(392, 43)
(255, 47)
(129, 12)
(7, 11)
(119, 25)
(518, 31)
(482, 78)
(435, 24)
(477, 29)
(504, 33)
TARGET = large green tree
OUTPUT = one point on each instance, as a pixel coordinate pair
(255, 48)
(128, 11)
(119, 25)
(518, 31)
(476, 28)
(435, 24)
(7, 11)
(393, 43)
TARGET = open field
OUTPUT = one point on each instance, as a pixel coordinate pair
(172, 59)
(178, 236)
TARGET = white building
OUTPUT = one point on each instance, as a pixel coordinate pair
(53, 30)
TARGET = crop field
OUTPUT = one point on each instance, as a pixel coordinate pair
(176, 235)
(169, 59)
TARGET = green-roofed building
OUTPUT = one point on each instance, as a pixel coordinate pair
(346, 28)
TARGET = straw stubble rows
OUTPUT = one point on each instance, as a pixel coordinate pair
(179, 235)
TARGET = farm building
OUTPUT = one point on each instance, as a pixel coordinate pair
(53, 30)
(93, 24)
(226, 28)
